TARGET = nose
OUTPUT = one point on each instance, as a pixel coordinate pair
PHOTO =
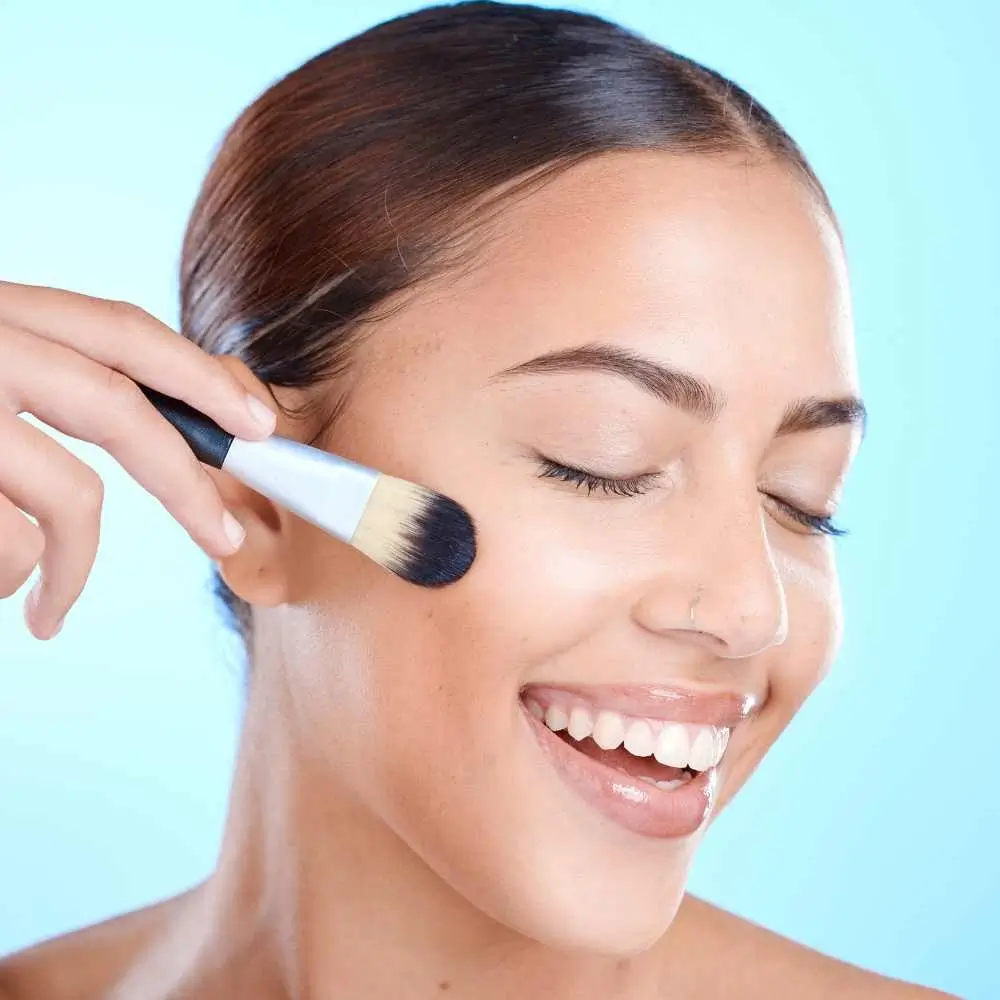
(719, 583)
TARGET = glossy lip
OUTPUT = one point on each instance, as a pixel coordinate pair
(628, 802)
(673, 703)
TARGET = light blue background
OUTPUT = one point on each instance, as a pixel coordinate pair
(871, 831)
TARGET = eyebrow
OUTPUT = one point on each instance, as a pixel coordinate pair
(685, 391)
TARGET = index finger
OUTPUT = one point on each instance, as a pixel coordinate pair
(128, 339)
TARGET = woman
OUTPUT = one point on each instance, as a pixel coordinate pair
(591, 290)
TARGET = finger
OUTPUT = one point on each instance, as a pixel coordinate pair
(65, 497)
(126, 338)
(86, 400)
(21, 545)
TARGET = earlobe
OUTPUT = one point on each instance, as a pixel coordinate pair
(256, 571)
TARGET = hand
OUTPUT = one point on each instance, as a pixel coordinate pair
(69, 360)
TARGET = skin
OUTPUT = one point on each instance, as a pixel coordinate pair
(391, 830)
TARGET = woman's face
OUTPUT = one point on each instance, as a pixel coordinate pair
(619, 274)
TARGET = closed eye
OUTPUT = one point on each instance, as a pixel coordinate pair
(632, 486)
(621, 486)
(819, 524)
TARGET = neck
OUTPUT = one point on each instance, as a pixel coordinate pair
(314, 897)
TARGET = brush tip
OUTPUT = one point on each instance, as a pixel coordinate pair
(420, 535)
(442, 543)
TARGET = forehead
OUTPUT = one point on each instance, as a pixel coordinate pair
(729, 269)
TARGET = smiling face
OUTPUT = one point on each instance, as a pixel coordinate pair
(581, 594)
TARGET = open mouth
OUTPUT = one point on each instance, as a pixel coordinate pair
(643, 768)
(644, 757)
(663, 753)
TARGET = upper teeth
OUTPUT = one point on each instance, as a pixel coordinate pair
(675, 744)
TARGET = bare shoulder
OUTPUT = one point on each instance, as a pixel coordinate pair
(762, 964)
(83, 964)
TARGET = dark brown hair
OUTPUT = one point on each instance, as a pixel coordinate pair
(365, 171)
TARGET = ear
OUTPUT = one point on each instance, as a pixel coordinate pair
(256, 571)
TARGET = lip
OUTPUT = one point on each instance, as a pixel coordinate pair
(628, 802)
(668, 703)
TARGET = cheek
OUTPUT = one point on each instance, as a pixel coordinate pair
(797, 666)
(431, 677)
(815, 625)
(379, 652)
(409, 695)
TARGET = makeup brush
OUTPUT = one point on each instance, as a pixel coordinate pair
(416, 533)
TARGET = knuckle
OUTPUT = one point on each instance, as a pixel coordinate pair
(229, 386)
(220, 387)
(88, 494)
(127, 313)
(115, 382)
(121, 390)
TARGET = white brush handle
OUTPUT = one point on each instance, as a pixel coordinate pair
(326, 490)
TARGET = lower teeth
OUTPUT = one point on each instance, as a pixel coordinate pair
(667, 785)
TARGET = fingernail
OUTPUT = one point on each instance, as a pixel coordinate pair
(233, 529)
(31, 604)
(31, 614)
(262, 415)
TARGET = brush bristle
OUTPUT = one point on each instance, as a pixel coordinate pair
(421, 536)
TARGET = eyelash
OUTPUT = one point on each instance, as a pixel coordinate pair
(629, 486)
(632, 486)
(821, 524)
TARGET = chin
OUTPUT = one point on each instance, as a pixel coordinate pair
(598, 913)
(574, 859)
